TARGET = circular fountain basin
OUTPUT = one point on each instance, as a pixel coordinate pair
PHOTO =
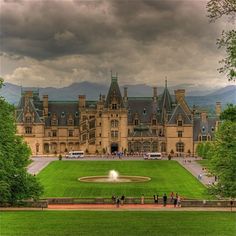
(120, 179)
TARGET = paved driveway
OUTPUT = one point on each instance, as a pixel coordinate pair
(39, 163)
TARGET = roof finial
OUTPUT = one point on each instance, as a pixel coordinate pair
(166, 82)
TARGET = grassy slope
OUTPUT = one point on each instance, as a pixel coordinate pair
(65, 223)
(60, 179)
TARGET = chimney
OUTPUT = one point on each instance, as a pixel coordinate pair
(82, 99)
(179, 94)
(125, 94)
(45, 105)
(204, 117)
(154, 94)
(218, 108)
(28, 94)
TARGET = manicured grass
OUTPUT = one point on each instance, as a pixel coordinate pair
(60, 179)
(66, 223)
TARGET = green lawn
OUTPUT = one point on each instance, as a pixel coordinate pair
(60, 179)
(66, 223)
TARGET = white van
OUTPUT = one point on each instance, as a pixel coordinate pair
(153, 156)
(75, 154)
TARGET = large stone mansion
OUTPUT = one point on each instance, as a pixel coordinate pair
(113, 123)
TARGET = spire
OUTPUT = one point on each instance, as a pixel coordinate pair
(114, 94)
(165, 102)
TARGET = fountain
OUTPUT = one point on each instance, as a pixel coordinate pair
(114, 177)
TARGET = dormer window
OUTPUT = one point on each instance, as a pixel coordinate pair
(76, 114)
(180, 123)
(144, 111)
(203, 129)
(63, 114)
(154, 122)
(212, 129)
(70, 122)
(28, 120)
(54, 120)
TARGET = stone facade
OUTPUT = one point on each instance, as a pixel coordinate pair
(113, 123)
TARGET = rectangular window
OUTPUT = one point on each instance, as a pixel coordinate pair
(180, 134)
(154, 122)
(204, 138)
(71, 133)
(91, 135)
(114, 133)
(136, 122)
(92, 124)
(114, 106)
(54, 133)
(28, 130)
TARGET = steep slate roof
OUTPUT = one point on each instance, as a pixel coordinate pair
(203, 128)
(35, 107)
(144, 108)
(114, 91)
(62, 111)
(179, 111)
(165, 103)
(141, 131)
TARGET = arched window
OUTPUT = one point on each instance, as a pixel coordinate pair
(146, 147)
(180, 147)
(137, 147)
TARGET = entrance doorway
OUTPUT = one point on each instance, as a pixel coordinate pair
(114, 147)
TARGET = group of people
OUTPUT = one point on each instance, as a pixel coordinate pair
(117, 200)
(174, 198)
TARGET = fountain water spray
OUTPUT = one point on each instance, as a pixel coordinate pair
(113, 175)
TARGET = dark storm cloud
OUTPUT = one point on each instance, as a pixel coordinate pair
(49, 29)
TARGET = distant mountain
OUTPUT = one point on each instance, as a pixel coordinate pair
(225, 95)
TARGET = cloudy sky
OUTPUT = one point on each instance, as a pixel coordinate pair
(58, 42)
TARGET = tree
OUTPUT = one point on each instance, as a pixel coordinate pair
(223, 156)
(203, 149)
(217, 9)
(229, 113)
(15, 183)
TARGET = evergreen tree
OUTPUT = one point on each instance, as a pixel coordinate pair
(15, 183)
